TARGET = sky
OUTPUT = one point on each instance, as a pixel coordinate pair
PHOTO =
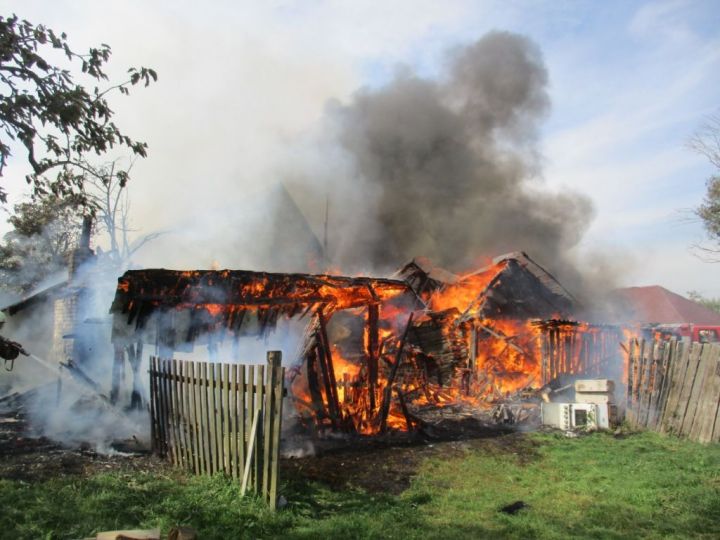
(240, 83)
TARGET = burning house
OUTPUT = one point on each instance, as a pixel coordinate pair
(375, 353)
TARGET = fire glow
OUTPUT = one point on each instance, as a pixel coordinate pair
(377, 353)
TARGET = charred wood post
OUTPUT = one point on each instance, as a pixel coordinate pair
(544, 371)
(372, 351)
(313, 358)
(472, 357)
(134, 353)
(387, 392)
(117, 372)
(404, 408)
(567, 351)
(328, 370)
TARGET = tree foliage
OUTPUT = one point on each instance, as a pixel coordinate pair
(710, 303)
(58, 121)
(45, 231)
(707, 142)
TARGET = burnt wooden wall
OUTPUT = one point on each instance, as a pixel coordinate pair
(569, 347)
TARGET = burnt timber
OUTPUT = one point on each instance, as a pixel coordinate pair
(174, 309)
(223, 296)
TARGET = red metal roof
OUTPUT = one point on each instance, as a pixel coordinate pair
(656, 304)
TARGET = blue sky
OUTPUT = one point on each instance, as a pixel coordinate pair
(629, 83)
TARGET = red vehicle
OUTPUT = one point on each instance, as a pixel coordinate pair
(687, 332)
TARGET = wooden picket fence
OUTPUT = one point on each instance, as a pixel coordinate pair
(674, 387)
(220, 418)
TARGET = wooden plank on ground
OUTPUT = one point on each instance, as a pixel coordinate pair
(697, 385)
(250, 452)
(707, 407)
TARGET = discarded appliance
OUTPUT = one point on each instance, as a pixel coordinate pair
(593, 407)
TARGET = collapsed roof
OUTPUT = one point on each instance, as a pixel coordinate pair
(222, 298)
(513, 286)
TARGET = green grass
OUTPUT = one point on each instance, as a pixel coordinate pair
(644, 485)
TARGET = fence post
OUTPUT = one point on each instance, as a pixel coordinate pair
(274, 361)
(276, 429)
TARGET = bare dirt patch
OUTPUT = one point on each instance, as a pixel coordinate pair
(387, 467)
(29, 458)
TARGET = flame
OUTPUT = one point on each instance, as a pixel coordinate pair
(472, 359)
(464, 294)
(506, 358)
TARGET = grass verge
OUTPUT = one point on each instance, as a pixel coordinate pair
(643, 485)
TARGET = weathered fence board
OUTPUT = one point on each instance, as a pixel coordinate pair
(675, 388)
(220, 418)
(697, 385)
(707, 404)
(677, 376)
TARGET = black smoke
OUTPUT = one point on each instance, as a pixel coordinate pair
(451, 165)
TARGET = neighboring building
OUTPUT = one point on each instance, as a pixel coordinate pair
(657, 305)
(664, 313)
(65, 319)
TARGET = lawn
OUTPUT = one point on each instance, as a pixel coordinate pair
(596, 486)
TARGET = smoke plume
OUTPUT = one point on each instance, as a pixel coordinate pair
(448, 168)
